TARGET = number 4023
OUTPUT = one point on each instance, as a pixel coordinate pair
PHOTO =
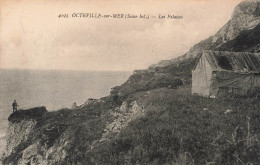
(63, 15)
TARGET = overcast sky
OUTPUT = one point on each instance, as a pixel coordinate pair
(33, 37)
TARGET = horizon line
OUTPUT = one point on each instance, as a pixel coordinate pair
(72, 70)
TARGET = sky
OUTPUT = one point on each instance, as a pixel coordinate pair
(32, 36)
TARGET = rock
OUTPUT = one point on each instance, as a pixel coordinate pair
(245, 16)
(31, 155)
(89, 102)
(212, 96)
(127, 113)
(22, 129)
(124, 107)
(74, 106)
(228, 111)
(23, 148)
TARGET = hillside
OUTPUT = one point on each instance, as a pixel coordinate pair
(247, 41)
(245, 17)
(152, 118)
(161, 130)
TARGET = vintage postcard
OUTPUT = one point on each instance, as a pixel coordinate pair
(129, 82)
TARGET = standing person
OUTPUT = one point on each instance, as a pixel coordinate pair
(15, 105)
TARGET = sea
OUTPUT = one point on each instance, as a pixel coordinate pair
(53, 89)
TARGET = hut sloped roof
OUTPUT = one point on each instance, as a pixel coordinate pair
(233, 61)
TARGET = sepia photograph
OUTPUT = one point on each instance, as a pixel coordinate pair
(125, 82)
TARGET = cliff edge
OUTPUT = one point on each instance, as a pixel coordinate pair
(19, 133)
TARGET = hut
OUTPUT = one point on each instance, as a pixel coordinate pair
(221, 73)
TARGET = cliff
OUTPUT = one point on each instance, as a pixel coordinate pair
(149, 127)
(36, 136)
(245, 19)
(19, 134)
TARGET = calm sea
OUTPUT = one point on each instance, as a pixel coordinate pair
(52, 89)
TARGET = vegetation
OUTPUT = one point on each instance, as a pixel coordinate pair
(170, 76)
(177, 128)
(33, 113)
(81, 127)
(182, 129)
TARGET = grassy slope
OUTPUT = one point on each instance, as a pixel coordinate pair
(172, 76)
(177, 128)
(180, 128)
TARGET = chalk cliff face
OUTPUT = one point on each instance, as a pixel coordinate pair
(18, 149)
(18, 133)
(24, 143)
(245, 17)
(36, 136)
(19, 136)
